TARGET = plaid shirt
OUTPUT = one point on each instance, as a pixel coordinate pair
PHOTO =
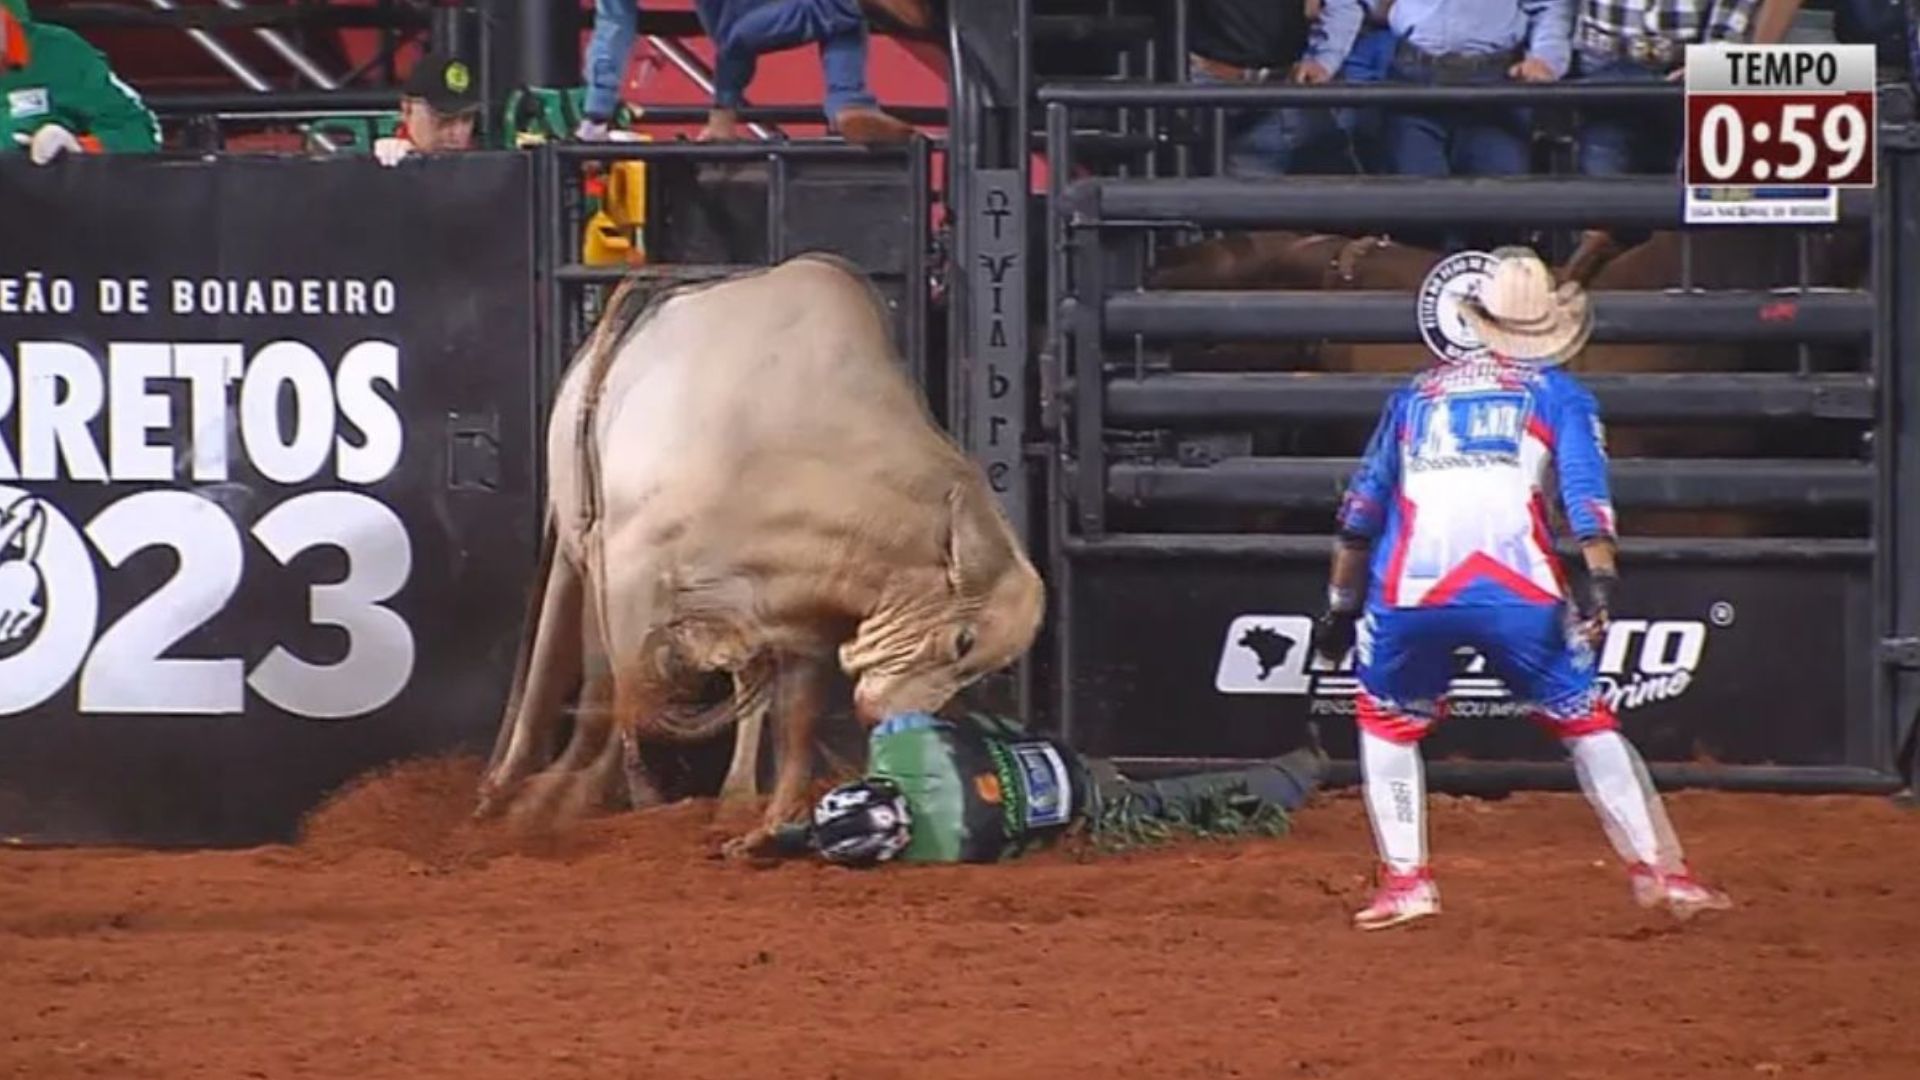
(1611, 26)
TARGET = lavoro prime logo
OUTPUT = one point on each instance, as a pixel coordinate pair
(1642, 662)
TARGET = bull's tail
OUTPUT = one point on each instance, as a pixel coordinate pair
(529, 631)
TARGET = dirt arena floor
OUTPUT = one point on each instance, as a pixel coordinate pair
(396, 941)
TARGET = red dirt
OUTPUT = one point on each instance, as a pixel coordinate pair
(397, 941)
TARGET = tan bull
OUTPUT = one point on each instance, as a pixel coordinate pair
(744, 484)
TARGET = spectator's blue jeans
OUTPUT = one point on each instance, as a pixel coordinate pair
(1367, 62)
(1262, 142)
(743, 29)
(615, 24)
(1616, 141)
(1455, 142)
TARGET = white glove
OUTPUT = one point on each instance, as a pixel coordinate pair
(389, 151)
(48, 142)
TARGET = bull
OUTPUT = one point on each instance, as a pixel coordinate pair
(745, 487)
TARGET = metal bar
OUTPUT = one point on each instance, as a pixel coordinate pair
(669, 273)
(1897, 450)
(776, 209)
(1239, 397)
(359, 101)
(327, 17)
(804, 150)
(240, 68)
(1089, 375)
(1270, 547)
(1383, 202)
(914, 296)
(1487, 777)
(698, 73)
(1274, 483)
(1733, 317)
(1060, 165)
(553, 313)
(295, 59)
(342, 101)
(1107, 94)
(224, 56)
(1095, 30)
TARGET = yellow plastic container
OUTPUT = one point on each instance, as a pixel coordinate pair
(617, 234)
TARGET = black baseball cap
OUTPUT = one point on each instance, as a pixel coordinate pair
(446, 83)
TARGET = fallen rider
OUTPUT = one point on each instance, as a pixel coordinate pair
(982, 789)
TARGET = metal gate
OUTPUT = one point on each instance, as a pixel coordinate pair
(1781, 661)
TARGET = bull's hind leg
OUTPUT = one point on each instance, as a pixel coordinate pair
(549, 667)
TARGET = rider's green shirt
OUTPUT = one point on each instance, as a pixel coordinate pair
(979, 789)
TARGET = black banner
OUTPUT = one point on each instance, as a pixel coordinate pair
(266, 483)
(1705, 665)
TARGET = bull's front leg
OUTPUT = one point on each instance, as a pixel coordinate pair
(799, 694)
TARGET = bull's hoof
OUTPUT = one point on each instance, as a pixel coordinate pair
(493, 800)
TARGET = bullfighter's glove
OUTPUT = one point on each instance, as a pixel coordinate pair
(1595, 604)
(48, 142)
(1334, 632)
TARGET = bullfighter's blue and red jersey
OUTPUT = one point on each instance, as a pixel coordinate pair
(1455, 484)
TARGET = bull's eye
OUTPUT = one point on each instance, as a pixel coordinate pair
(963, 643)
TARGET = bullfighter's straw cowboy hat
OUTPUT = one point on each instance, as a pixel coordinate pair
(1520, 314)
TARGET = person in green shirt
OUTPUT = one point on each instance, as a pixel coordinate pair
(60, 97)
(982, 789)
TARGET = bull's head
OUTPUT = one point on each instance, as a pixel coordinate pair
(942, 629)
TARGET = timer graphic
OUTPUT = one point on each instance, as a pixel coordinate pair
(1798, 114)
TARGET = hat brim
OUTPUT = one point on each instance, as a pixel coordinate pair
(450, 106)
(1559, 341)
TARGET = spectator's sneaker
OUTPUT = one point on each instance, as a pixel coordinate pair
(1679, 892)
(912, 14)
(1400, 898)
(871, 126)
(591, 131)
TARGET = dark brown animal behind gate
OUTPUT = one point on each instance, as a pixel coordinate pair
(1727, 259)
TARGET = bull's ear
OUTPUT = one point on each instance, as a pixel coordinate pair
(979, 545)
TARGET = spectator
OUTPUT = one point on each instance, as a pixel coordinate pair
(1468, 43)
(1465, 42)
(438, 104)
(1257, 41)
(1640, 41)
(743, 29)
(1643, 41)
(615, 24)
(61, 96)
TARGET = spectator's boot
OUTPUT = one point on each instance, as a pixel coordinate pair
(858, 124)
(910, 14)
